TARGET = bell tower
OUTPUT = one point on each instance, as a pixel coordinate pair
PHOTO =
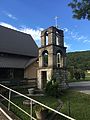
(52, 57)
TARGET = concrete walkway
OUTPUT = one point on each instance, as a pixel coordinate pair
(3, 115)
(83, 86)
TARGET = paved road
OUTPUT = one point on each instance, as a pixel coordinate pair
(83, 86)
(80, 84)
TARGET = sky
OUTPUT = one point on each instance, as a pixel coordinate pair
(33, 16)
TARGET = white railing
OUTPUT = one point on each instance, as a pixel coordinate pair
(5, 114)
(31, 104)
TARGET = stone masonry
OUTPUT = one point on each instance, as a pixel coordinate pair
(52, 57)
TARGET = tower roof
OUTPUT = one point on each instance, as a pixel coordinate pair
(52, 29)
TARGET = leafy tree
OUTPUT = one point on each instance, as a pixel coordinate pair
(80, 9)
(79, 60)
(77, 75)
(82, 75)
(71, 70)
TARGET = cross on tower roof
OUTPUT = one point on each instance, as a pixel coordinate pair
(56, 17)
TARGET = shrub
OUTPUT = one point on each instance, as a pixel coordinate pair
(77, 75)
(52, 88)
(83, 75)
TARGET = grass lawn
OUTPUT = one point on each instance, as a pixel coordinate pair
(75, 104)
(49, 101)
(87, 78)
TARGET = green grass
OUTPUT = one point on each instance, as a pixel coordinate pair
(18, 101)
(87, 78)
(78, 104)
(49, 101)
(87, 74)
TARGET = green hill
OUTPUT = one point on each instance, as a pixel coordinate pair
(79, 60)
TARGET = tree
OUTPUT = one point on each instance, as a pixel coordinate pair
(71, 70)
(77, 75)
(80, 9)
(83, 75)
(78, 60)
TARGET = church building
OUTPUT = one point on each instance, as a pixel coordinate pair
(20, 57)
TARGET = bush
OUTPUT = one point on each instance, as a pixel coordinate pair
(77, 75)
(83, 75)
(52, 88)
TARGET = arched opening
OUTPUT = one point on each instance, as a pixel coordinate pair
(59, 60)
(45, 58)
(57, 42)
(46, 42)
(57, 39)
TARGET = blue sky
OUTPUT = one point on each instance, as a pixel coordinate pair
(32, 16)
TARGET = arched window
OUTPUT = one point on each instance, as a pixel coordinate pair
(46, 42)
(58, 60)
(45, 58)
(57, 42)
(57, 39)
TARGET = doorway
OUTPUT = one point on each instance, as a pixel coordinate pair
(44, 79)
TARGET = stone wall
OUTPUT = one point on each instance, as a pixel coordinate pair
(31, 71)
(40, 83)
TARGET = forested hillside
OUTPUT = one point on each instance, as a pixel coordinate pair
(79, 60)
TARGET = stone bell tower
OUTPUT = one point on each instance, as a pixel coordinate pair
(52, 57)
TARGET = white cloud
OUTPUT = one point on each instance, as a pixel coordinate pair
(10, 15)
(65, 29)
(35, 33)
(70, 34)
(86, 41)
(7, 25)
(81, 37)
(68, 46)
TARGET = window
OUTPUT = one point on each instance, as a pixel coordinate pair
(58, 60)
(57, 39)
(46, 39)
(45, 59)
(57, 42)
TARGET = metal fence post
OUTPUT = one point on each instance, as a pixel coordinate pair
(31, 107)
(32, 101)
(9, 99)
